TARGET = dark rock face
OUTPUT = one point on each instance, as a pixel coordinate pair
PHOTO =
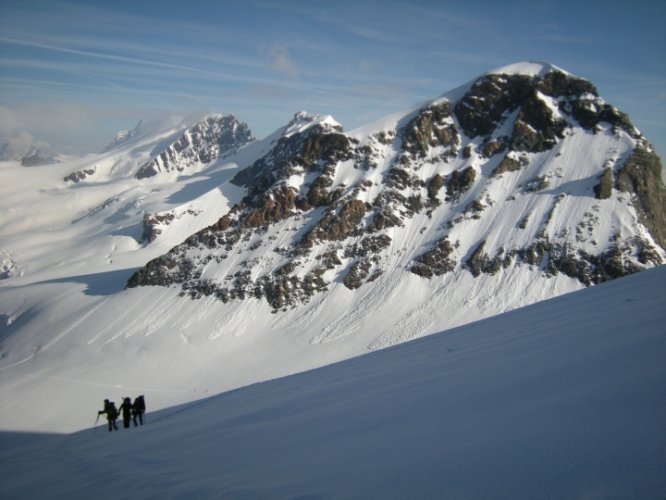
(154, 223)
(559, 84)
(493, 98)
(339, 226)
(368, 246)
(492, 147)
(535, 128)
(400, 179)
(480, 262)
(79, 175)
(508, 164)
(203, 143)
(487, 102)
(357, 274)
(554, 258)
(433, 186)
(458, 182)
(151, 223)
(430, 128)
(604, 189)
(314, 150)
(271, 207)
(436, 261)
(641, 176)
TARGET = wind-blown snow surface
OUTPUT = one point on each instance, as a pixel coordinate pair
(561, 399)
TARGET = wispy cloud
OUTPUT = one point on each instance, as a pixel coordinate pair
(16, 146)
(353, 59)
(119, 58)
(280, 61)
(41, 117)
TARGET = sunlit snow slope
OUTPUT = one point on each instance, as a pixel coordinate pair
(561, 399)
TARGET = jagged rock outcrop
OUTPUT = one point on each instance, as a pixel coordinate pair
(493, 98)
(458, 182)
(604, 189)
(436, 261)
(432, 127)
(491, 147)
(80, 175)
(209, 139)
(7, 265)
(641, 177)
(508, 164)
(488, 102)
(155, 223)
(316, 148)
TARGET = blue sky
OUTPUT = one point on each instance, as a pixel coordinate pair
(72, 73)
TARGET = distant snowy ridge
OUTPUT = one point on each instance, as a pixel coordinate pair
(123, 136)
(214, 136)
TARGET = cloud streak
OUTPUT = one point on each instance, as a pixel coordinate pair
(357, 59)
(281, 62)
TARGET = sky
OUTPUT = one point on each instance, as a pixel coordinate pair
(73, 73)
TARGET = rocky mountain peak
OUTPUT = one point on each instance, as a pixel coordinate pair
(213, 137)
(304, 120)
(540, 107)
(527, 168)
(123, 136)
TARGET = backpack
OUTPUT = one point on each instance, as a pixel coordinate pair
(112, 411)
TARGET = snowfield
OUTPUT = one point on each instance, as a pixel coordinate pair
(560, 399)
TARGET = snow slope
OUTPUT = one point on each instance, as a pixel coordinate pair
(561, 399)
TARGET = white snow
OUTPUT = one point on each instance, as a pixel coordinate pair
(528, 68)
(561, 399)
(303, 121)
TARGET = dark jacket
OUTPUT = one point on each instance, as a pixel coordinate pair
(110, 410)
(126, 407)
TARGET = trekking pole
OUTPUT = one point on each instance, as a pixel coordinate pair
(96, 420)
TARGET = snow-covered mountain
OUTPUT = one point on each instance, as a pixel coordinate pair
(519, 170)
(123, 136)
(207, 140)
(192, 259)
(560, 399)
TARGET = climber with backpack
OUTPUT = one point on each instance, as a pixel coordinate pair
(138, 409)
(126, 408)
(111, 414)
